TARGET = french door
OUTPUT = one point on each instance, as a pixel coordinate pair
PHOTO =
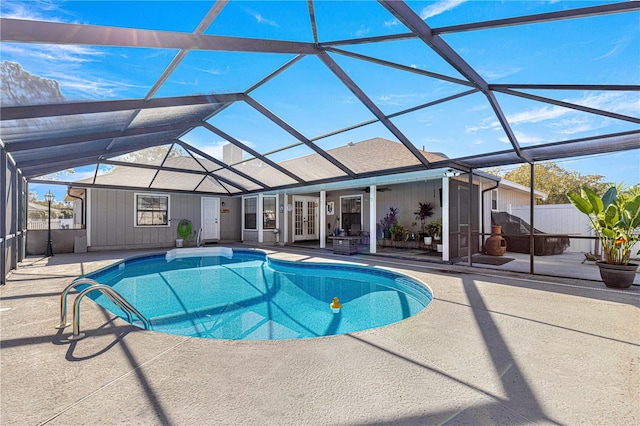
(305, 218)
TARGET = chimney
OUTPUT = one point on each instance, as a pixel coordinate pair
(231, 154)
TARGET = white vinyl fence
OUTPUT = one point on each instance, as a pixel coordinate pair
(560, 219)
(55, 224)
(563, 219)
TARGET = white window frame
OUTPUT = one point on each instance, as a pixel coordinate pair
(244, 225)
(150, 194)
(494, 191)
(275, 211)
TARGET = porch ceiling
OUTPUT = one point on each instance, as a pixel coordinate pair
(249, 134)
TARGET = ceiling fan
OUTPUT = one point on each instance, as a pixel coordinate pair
(379, 189)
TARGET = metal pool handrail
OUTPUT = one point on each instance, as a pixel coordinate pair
(113, 295)
(63, 299)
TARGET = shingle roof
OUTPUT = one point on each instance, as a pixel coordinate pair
(188, 174)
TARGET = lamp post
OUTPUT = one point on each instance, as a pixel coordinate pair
(49, 197)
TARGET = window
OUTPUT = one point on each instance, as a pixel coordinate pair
(152, 210)
(269, 212)
(494, 199)
(250, 213)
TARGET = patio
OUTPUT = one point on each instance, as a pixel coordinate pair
(494, 347)
(570, 265)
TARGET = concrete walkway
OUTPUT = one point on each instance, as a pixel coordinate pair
(494, 347)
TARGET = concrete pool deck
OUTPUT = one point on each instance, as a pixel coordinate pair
(494, 347)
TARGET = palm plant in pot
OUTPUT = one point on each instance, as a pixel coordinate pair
(614, 217)
(425, 210)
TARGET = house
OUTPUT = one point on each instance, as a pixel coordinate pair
(149, 217)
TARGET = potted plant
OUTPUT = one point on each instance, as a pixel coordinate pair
(434, 229)
(425, 210)
(388, 220)
(614, 217)
(397, 231)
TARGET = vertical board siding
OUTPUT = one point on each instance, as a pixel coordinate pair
(406, 198)
(509, 197)
(112, 220)
(112, 226)
(231, 222)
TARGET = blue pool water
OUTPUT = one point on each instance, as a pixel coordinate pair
(245, 295)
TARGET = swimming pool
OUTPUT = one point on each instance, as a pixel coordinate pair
(221, 293)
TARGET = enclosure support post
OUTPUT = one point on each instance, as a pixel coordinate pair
(531, 224)
(470, 220)
(3, 208)
(15, 222)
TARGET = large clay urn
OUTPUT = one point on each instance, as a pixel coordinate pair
(495, 244)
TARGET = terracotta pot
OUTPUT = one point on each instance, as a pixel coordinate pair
(617, 276)
(495, 244)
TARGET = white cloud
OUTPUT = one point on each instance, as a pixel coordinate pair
(536, 115)
(497, 74)
(627, 103)
(362, 31)
(439, 7)
(523, 138)
(478, 107)
(396, 99)
(215, 71)
(430, 11)
(617, 46)
(33, 10)
(391, 23)
(487, 123)
(576, 125)
(54, 52)
(261, 19)
(622, 103)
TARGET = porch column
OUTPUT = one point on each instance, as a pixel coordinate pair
(87, 218)
(323, 218)
(285, 234)
(445, 218)
(372, 219)
(260, 218)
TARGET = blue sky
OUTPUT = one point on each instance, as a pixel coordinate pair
(594, 50)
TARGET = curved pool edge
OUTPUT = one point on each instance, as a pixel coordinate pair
(410, 284)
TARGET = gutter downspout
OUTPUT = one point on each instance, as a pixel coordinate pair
(82, 214)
